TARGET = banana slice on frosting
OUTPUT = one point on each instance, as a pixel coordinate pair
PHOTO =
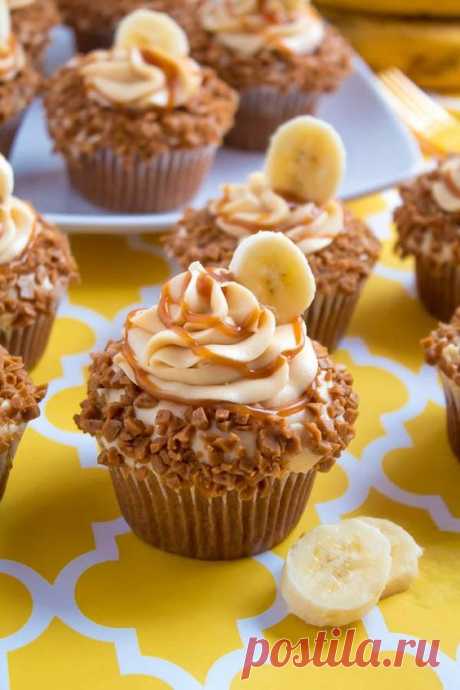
(6, 180)
(335, 574)
(306, 160)
(5, 24)
(277, 272)
(149, 29)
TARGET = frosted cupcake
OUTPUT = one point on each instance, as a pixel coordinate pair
(32, 22)
(19, 399)
(139, 125)
(428, 226)
(36, 267)
(215, 411)
(18, 81)
(295, 195)
(278, 54)
(442, 349)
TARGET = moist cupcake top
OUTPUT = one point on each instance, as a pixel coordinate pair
(265, 41)
(18, 79)
(428, 221)
(214, 377)
(295, 195)
(35, 260)
(141, 97)
(19, 399)
(442, 348)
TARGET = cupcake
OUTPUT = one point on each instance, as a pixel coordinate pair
(295, 195)
(428, 226)
(19, 81)
(278, 54)
(32, 22)
(139, 125)
(442, 349)
(19, 399)
(36, 267)
(215, 411)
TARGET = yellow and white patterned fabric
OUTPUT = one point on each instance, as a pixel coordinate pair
(85, 605)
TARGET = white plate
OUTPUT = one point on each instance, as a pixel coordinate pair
(380, 150)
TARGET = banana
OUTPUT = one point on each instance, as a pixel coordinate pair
(6, 180)
(277, 272)
(5, 24)
(335, 574)
(149, 29)
(428, 51)
(306, 160)
(405, 553)
(398, 7)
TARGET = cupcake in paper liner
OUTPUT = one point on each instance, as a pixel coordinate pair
(139, 124)
(19, 399)
(36, 267)
(442, 350)
(278, 54)
(19, 81)
(32, 22)
(295, 195)
(428, 226)
(215, 410)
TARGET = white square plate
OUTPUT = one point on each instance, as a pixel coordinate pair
(380, 153)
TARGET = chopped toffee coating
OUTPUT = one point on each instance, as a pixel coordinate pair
(32, 283)
(19, 398)
(80, 125)
(435, 348)
(32, 25)
(167, 446)
(17, 93)
(322, 71)
(343, 265)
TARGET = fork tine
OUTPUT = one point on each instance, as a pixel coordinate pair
(405, 113)
(418, 99)
(399, 99)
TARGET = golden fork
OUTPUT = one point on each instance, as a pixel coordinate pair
(436, 129)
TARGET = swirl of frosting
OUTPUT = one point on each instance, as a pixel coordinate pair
(12, 56)
(446, 191)
(247, 26)
(209, 339)
(244, 209)
(17, 219)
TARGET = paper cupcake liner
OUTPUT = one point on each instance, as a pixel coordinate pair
(211, 528)
(85, 41)
(29, 342)
(6, 461)
(264, 108)
(8, 133)
(438, 286)
(328, 317)
(164, 183)
(452, 395)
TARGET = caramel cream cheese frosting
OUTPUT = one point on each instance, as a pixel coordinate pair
(446, 191)
(12, 56)
(148, 65)
(17, 219)
(247, 26)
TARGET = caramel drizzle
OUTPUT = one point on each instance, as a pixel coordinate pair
(169, 69)
(204, 286)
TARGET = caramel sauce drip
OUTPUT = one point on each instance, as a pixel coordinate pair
(204, 287)
(170, 70)
(451, 185)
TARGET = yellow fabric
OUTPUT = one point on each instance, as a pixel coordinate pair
(85, 605)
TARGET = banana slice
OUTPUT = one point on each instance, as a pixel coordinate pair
(405, 553)
(306, 160)
(5, 24)
(6, 180)
(335, 574)
(149, 29)
(277, 273)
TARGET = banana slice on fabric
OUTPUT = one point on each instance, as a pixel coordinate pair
(405, 553)
(149, 29)
(306, 160)
(335, 574)
(274, 269)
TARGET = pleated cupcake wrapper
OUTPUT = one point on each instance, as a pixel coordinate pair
(6, 461)
(29, 342)
(226, 527)
(8, 133)
(93, 40)
(264, 108)
(438, 286)
(452, 395)
(328, 317)
(163, 183)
